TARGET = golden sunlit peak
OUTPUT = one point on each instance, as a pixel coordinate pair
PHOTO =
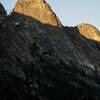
(89, 31)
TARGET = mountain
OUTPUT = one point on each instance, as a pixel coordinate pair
(40, 59)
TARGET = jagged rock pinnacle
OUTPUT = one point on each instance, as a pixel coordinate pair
(39, 10)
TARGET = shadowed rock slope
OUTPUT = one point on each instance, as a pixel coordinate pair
(42, 61)
(3, 13)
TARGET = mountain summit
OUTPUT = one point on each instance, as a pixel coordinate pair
(89, 31)
(39, 10)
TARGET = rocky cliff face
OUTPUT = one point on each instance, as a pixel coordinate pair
(39, 60)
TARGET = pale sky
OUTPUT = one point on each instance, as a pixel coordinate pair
(71, 12)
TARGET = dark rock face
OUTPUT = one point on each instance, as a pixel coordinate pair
(39, 61)
(3, 13)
